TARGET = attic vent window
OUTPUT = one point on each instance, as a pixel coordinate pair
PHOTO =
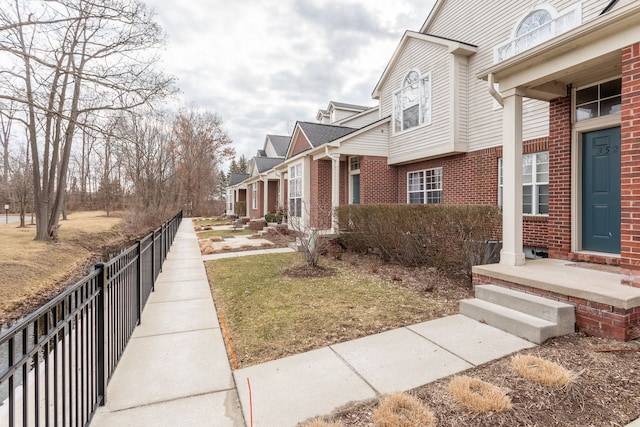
(538, 26)
(412, 103)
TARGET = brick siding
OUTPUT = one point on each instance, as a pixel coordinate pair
(559, 223)
(630, 166)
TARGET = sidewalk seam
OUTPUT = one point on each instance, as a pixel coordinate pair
(160, 402)
(375, 390)
(213, 328)
(439, 346)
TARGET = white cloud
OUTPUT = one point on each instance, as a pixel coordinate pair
(262, 65)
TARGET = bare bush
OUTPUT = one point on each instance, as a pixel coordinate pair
(449, 237)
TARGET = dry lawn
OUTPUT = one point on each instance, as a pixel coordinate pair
(271, 315)
(32, 272)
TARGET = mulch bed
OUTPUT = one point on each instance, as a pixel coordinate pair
(605, 393)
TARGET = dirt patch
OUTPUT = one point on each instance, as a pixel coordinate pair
(605, 393)
(303, 271)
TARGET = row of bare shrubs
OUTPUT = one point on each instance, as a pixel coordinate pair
(451, 238)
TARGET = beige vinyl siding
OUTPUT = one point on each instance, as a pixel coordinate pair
(425, 57)
(466, 21)
(361, 120)
(373, 142)
(462, 107)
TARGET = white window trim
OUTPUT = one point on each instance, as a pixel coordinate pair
(425, 191)
(352, 172)
(535, 185)
(254, 195)
(422, 120)
(295, 175)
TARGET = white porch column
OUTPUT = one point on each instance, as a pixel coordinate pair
(335, 191)
(512, 253)
(265, 196)
(281, 195)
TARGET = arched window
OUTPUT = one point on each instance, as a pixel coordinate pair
(534, 28)
(412, 102)
(533, 20)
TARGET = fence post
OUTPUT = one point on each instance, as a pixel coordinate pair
(139, 280)
(153, 260)
(102, 345)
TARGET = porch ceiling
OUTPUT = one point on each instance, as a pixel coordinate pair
(589, 53)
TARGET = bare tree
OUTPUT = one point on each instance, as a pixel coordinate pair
(200, 145)
(69, 63)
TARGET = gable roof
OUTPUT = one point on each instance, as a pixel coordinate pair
(263, 164)
(261, 153)
(280, 143)
(432, 16)
(318, 134)
(453, 46)
(237, 178)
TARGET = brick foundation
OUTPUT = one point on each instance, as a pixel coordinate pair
(592, 318)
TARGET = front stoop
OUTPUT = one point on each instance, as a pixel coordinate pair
(531, 317)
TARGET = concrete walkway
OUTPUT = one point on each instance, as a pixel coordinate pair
(175, 369)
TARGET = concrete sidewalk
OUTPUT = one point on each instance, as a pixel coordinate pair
(175, 371)
(287, 391)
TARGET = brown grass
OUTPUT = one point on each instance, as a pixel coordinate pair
(402, 410)
(541, 371)
(478, 396)
(32, 272)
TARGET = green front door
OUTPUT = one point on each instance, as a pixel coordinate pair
(601, 191)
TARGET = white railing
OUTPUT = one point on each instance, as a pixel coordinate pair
(565, 21)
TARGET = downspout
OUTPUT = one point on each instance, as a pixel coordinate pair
(492, 90)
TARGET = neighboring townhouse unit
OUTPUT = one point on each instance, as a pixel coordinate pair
(260, 187)
(236, 192)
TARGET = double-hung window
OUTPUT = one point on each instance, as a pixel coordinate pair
(412, 102)
(425, 186)
(535, 183)
(295, 190)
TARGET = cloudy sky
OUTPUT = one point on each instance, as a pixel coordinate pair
(264, 64)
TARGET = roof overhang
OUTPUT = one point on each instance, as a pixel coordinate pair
(583, 55)
(326, 150)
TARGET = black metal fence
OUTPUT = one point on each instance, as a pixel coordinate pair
(55, 363)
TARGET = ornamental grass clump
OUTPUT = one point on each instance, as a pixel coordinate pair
(479, 396)
(541, 371)
(402, 410)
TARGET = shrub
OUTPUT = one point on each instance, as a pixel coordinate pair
(270, 217)
(449, 237)
(402, 410)
(240, 208)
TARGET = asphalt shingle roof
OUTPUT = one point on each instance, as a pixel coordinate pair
(237, 178)
(280, 144)
(319, 134)
(265, 163)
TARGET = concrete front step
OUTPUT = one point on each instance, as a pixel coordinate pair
(554, 311)
(523, 325)
(527, 316)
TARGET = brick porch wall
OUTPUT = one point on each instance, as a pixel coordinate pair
(377, 181)
(559, 223)
(320, 197)
(259, 211)
(272, 197)
(592, 318)
(630, 166)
